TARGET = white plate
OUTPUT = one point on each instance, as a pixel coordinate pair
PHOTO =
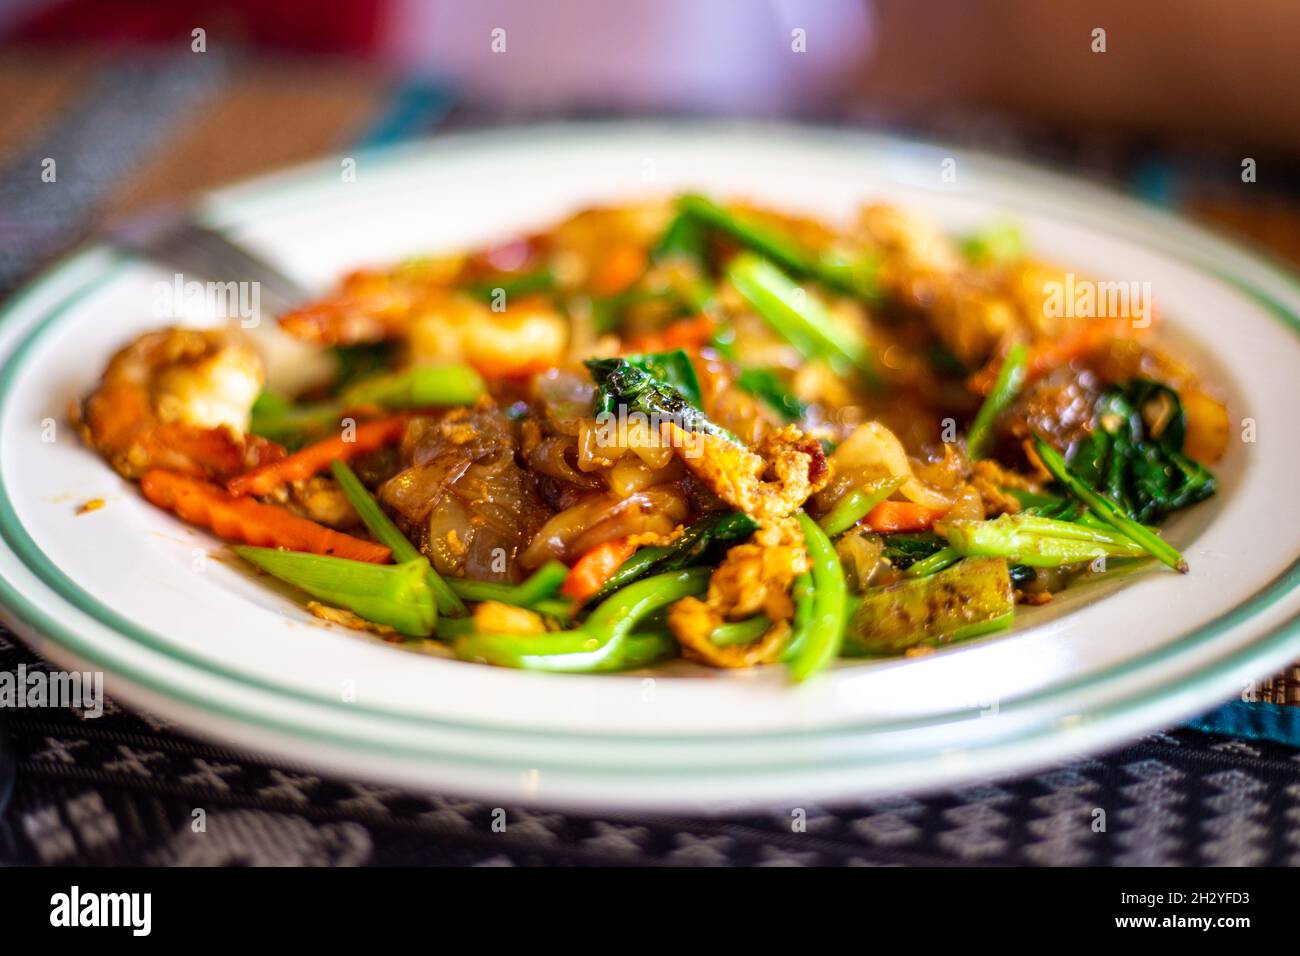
(132, 591)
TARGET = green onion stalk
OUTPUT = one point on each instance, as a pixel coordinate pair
(1007, 385)
(798, 317)
(857, 504)
(422, 387)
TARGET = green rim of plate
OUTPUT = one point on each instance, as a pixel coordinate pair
(25, 548)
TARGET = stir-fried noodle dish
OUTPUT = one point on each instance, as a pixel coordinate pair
(681, 428)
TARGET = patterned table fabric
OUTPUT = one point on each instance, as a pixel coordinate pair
(127, 788)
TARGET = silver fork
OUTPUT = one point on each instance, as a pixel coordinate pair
(177, 241)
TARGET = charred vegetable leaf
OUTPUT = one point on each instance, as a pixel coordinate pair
(674, 368)
(1135, 454)
(702, 543)
(661, 385)
(970, 598)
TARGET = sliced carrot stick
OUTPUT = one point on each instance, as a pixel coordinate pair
(683, 334)
(622, 267)
(590, 572)
(891, 517)
(249, 521)
(316, 458)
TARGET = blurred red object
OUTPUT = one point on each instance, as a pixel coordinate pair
(322, 26)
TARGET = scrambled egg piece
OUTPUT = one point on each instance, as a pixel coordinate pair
(754, 578)
(768, 483)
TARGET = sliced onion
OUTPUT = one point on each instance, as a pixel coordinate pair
(631, 475)
(551, 458)
(874, 451)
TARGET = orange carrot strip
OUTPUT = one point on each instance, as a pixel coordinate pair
(621, 268)
(252, 522)
(891, 517)
(315, 458)
(590, 572)
(683, 334)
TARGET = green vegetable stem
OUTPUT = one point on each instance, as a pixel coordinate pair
(394, 595)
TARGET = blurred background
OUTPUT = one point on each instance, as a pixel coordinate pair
(140, 101)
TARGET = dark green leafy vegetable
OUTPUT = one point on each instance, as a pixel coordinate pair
(702, 543)
(1022, 574)
(1106, 509)
(357, 362)
(608, 312)
(969, 598)
(645, 387)
(1135, 454)
(675, 368)
(904, 550)
(766, 384)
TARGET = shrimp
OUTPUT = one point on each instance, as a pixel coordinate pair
(178, 399)
(528, 337)
(416, 304)
(373, 305)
